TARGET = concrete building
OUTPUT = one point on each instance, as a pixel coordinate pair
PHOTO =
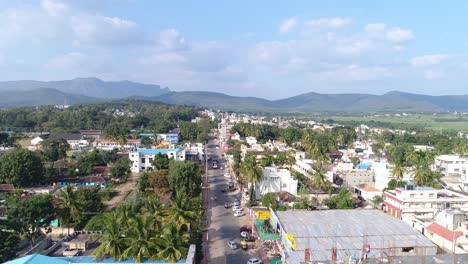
(108, 144)
(449, 165)
(405, 203)
(448, 229)
(141, 158)
(355, 177)
(276, 180)
(251, 140)
(343, 235)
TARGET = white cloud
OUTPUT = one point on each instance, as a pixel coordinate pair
(103, 30)
(172, 40)
(353, 72)
(53, 7)
(333, 22)
(287, 25)
(432, 74)
(398, 35)
(428, 60)
(69, 60)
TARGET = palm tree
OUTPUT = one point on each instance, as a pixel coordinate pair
(140, 246)
(112, 240)
(181, 212)
(68, 206)
(319, 179)
(398, 170)
(172, 243)
(420, 167)
(156, 211)
(253, 174)
(125, 214)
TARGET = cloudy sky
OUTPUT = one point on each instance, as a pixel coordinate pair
(248, 48)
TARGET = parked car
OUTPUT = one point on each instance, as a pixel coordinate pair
(244, 234)
(236, 208)
(210, 180)
(239, 213)
(227, 205)
(254, 261)
(232, 244)
(237, 202)
(227, 175)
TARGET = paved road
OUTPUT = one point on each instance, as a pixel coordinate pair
(224, 226)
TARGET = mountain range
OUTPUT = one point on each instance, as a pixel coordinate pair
(83, 90)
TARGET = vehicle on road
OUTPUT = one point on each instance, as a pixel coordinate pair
(254, 261)
(210, 180)
(227, 205)
(239, 213)
(215, 165)
(236, 202)
(227, 175)
(221, 167)
(244, 245)
(236, 208)
(232, 244)
(223, 190)
(244, 234)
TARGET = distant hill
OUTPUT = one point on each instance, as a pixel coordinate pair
(42, 96)
(92, 87)
(316, 103)
(83, 90)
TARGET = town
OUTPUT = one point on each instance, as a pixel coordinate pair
(218, 187)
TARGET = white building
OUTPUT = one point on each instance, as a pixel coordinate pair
(142, 158)
(251, 140)
(405, 203)
(449, 165)
(276, 180)
(382, 173)
(108, 144)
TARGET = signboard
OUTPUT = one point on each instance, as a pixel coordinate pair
(262, 215)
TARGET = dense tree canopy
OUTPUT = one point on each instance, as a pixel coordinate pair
(185, 177)
(21, 167)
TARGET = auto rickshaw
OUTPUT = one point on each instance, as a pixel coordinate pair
(244, 245)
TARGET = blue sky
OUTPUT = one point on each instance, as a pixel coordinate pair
(269, 49)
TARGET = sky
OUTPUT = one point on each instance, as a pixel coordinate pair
(268, 49)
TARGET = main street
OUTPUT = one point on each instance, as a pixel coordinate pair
(223, 225)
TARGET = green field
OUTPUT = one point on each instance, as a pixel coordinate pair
(434, 122)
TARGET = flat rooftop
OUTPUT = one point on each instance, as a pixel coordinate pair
(348, 231)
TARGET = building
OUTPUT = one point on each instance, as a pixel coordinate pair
(74, 140)
(108, 144)
(251, 140)
(405, 203)
(449, 165)
(142, 158)
(42, 259)
(366, 191)
(342, 235)
(355, 177)
(172, 138)
(448, 229)
(276, 180)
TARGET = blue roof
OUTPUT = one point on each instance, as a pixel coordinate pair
(364, 165)
(146, 134)
(419, 188)
(41, 259)
(144, 151)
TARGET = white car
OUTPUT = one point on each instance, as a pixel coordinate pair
(227, 175)
(236, 208)
(210, 180)
(239, 213)
(232, 244)
(254, 261)
(236, 202)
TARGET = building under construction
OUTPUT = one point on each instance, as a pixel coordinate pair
(337, 235)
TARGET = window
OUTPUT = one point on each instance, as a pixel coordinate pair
(407, 249)
(143, 160)
(431, 195)
(411, 196)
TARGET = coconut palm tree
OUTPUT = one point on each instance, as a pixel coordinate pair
(156, 211)
(420, 167)
(398, 169)
(140, 246)
(252, 173)
(173, 243)
(319, 179)
(181, 212)
(68, 206)
(125, 214)
(112, 239)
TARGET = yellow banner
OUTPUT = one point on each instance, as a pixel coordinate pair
(293, 241)
(262, 215)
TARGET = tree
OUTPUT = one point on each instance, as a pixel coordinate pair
(21, 167)
(343, 200)
(269, 201)
(68, 206)
(377, 200)
(393, 184)
(146, 142)
(55, 149)
(91, 203)
(159, 181)
(9, 240)
(302, 201)
(29, 215)
(121, 167)
(117, 132)
(355, 161)
(160, 162)
(253, 174)
(173, 243)
(112, 240)
(319, 179)
(398, 169)
(143, 183)
(139, 244)
(420, 167)
(182, 211)
(156, 212)
(185, 177)
(267, 160)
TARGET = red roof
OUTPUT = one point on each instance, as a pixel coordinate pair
(444, 232)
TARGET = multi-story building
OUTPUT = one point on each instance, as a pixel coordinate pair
(405, 203)
(142, 158)
(108, 144)
(450, 165)
(355, 177)
(276, 180)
